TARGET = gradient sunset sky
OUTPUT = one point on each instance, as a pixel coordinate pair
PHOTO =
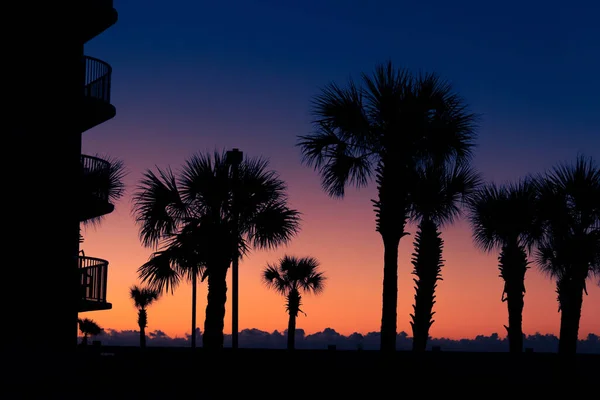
(192, 76)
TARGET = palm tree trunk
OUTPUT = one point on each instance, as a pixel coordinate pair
(390, 294)
(194, 295)
(513, 266)
(291, 332)
(390, 209)
(215, 307)
(293, 305)
(142, 337)
(142, 323)
(570, 317)
(427, 262)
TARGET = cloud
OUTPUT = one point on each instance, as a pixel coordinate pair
(255, 338)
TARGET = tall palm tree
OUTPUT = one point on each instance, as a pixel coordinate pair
(436, 198)
(192, 215)
(88, 327)
(570, 248)
(504, 217)
(290, 277)
(142, 299)
(385, 128)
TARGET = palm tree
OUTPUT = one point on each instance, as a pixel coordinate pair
(436, 198)
(386, 127)
(289, 277)
(178, 259)
(88, 328)
(191, 218)
(570, 248)
(143, 298)
(505, 218)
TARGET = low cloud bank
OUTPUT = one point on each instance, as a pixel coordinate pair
(255, 338)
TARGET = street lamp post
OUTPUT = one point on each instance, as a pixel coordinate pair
(234, 158)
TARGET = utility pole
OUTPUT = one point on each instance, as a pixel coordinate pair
(234, 158)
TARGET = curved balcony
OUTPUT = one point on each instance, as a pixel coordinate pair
(96, 17)
(95, 187)
(94, 276)
(97, 108)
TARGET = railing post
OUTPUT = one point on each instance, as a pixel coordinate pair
(104, 280)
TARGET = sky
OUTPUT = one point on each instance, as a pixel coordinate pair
(198, 76)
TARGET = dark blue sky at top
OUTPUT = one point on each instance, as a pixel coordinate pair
(241, 73)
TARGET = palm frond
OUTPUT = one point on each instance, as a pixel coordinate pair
(451, 132)
(158, 207)
(275, 224)
(160, 272)
(340, 163)
(205, 183)
(143, 297)
(441, 189)
(274, 280)
(89, 327)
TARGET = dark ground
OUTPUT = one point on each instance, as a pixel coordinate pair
(173, 373)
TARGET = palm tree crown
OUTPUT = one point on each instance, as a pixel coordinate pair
(394, 117)
(143, 297)
(440, 190)
(199, 203)
(501, 214)
(293, 273)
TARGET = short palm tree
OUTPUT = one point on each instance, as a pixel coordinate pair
(385, 128)
(436, 199)
(191, 218)
(142, 299)
(504, 217)
(178, 259)
(570, 248)
(291, 276)
(88, 327)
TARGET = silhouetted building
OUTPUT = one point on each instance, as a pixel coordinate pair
(95, 172)
(52, 94)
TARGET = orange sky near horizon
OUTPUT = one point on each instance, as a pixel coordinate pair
(341, 235)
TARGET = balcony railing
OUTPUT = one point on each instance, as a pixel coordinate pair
(94, 275)
(97, 79)
(96, 177)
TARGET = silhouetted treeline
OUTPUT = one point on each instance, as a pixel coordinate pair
(255, 338)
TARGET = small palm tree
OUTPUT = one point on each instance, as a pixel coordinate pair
(290, 277)
(142, 299)
(385, 127)
(180, 258)
(439, 191)
(88, 328)
(505, 217)
(191, 219)
(570, 247)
